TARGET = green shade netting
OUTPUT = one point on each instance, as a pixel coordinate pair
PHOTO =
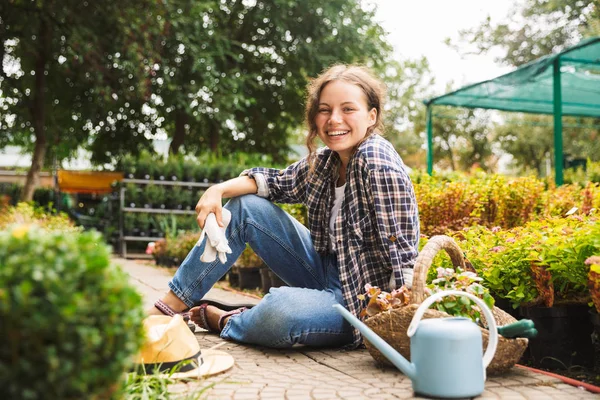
(530, 88)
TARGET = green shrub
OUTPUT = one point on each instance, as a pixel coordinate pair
(540, 262)
(69, 321)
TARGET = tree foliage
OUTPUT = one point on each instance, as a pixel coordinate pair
(535, 28)
(233, 73)
(221, 75)
(68, 65)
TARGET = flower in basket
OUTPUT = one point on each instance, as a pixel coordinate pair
(447, 279)
(382, 301)
(466, 281)
(594, 280)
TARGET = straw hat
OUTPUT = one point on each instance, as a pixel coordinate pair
(169, 341)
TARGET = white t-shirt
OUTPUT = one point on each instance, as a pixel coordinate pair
(335, 210)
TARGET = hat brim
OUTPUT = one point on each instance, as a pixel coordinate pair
(214, 362)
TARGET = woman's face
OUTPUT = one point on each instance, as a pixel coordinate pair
(343, 117)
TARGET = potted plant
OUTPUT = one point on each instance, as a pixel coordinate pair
(143, 224)
(248, 267)
(176, 198)
(132, 195)
(146, 166)
(540, 269)
(173, 168)
(148, 193)
(594, 286)
(127, 165)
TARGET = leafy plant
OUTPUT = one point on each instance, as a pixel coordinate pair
(70, 321)
(155, 195)
(168, 226)
(173, 168)
(132, 195)
(466, 281)
(447, 279)
(249, 259)
(594, 280)
(541, 262)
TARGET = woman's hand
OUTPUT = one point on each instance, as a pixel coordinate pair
(210, 202)
(212, 199)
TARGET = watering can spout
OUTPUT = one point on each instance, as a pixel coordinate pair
(388, 351)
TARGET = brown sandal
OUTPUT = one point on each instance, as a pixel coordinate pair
(228, 314)
(167, 310)
(199, 317)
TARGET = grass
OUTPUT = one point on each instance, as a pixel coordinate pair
(141, 386)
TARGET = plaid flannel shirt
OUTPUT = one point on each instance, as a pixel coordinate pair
(377, 230)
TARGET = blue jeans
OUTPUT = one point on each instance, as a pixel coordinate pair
(299, 314)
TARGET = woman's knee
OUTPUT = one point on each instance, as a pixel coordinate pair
(245, 202)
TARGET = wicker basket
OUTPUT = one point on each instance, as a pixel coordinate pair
(392, 325)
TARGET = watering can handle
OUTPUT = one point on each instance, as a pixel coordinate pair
(489, 317)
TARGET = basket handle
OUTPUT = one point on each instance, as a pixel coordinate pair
(425, 259)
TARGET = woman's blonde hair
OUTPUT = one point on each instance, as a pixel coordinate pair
(362, 77)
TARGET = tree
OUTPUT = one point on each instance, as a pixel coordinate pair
(66, 66)
(408, 84)
(233, 73)
(529, 139)
(535, 28)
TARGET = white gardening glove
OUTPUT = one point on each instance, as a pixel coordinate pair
(216, 241)
(407, 273)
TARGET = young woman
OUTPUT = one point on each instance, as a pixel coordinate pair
(363, 225)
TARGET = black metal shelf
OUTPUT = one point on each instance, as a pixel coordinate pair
(142, 238)
(158, 210)
(167, 183)
(123, 239)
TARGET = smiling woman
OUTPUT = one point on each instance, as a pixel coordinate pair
(362, 223)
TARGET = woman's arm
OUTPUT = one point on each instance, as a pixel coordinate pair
(212, 199)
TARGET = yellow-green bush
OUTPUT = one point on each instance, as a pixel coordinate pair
(25, 213)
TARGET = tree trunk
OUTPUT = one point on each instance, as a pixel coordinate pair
(181, 119)
(213, 136)
(37, 110)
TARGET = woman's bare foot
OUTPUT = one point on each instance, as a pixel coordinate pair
(171, 300)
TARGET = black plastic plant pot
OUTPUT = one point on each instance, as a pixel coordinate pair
(595, 321)
(504, 305)
(276, 281)
(249, 277)
(564, 337)
(265, 279)
(234, 277)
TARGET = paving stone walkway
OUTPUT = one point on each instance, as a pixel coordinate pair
(304, 373)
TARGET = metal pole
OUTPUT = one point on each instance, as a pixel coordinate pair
(558, 139)
(429, 141)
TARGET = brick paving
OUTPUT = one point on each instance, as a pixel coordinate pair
(313, 374)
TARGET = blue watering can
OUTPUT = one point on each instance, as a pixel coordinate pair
(446, 353)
